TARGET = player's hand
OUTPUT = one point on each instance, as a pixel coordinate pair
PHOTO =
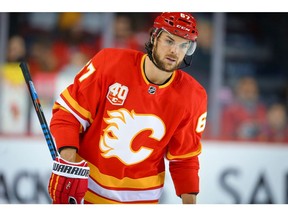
(68, 182)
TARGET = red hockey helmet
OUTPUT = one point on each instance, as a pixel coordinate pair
(180, 24)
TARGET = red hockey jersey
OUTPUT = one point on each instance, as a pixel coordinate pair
(124, 126)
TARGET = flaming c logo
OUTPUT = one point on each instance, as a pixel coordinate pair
(123, 127)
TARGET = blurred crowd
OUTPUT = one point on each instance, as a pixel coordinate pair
(57, 45)
(247, 117)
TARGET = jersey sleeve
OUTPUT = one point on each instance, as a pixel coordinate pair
(184, 148)
(75, 109)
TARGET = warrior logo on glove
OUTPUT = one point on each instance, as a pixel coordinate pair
(68, 182)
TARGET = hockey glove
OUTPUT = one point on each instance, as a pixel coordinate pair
(68, 182)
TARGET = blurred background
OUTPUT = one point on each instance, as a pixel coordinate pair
(241, 60)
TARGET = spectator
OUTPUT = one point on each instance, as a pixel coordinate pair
(73, 38)
(16, 49)
(66, 76)
(124, 34)
(41, 57)
(276, 127)
(13, 106)
(243, 118)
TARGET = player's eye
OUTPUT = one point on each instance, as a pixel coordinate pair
(169, 42)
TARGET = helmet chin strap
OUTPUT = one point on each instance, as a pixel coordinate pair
(186, 62)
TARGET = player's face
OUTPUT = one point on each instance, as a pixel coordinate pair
(169, 51)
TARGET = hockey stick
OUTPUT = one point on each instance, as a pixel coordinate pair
(36, 102)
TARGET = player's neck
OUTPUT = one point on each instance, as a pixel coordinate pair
(154, 74)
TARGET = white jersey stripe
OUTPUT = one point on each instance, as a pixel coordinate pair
(83, 122)
(125, 195)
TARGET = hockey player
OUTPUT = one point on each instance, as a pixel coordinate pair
(127, 111)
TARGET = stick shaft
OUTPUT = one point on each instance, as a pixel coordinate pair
(39, 111)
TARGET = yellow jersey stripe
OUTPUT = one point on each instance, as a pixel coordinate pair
(125, 195)
(192, 154)
(76, 106)
(113, 182)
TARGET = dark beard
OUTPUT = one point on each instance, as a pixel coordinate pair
(161, 65)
